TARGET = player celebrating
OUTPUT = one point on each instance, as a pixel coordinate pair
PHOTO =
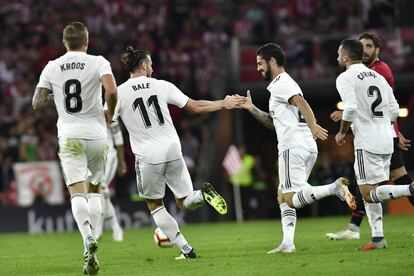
(296, 131)
(143, 108)
(398, 173)
(115, 163)
(370, 106)
(73, 82)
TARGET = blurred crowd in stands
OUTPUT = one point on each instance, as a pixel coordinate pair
(184, 37)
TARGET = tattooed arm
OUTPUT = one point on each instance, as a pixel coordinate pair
(263, 117)
(42, 98)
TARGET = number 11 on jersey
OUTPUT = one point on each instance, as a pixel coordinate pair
(152, 100)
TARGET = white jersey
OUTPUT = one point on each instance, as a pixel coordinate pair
(74, 79)
(370, 105)
(143, 107)
(291, 128)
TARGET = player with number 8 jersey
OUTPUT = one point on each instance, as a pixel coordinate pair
(73, 84)
(74, 79)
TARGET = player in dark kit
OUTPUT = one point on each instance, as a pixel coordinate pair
(398, 173)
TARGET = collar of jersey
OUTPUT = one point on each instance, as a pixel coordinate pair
(274, 80)
(75, 53)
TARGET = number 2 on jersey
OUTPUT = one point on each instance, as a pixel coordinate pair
(377, 101)
(152, 100)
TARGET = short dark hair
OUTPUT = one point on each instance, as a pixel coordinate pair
(373, 37)
(133, 59)
(270, 50)
(353, 48)
(75, 35)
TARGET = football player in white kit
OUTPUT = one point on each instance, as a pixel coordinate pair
(143, 107)
(369, 108)
(73, 84)
(296, 131)
(115, 163)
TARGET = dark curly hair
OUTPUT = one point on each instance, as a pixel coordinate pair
(133, 59)
(373, 37)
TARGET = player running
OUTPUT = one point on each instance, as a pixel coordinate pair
(370, 107)
(73, 83)
(143, 109)
(115, 163)
(296, 129)
(398, 173)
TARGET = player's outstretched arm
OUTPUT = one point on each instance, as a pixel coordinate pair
(263, 117)
(42, 98)
(203, 106)
(306, 111)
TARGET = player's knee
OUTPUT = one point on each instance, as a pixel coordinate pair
(180, 203)
(397, 173)
(290, 203)
(94, 188)
(280, 198)
(153, 204)
(366, 196)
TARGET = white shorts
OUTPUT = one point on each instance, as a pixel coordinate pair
(295, 166)
(82, 160)
(110, 168)
(152, 178)
(371, 168)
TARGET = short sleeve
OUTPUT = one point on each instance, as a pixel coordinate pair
(44, 79)
(104, 67)
(174, 95)
(284, 90)
(346, 88)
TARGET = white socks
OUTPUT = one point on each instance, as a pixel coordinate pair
(387, 192)
(193, 201)
(80, 211)
(374, 214)
(288, 217)
(95, 210)
(109, 212)
(169, 226)
(311, 193)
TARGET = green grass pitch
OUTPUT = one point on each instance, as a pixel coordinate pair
(223, 248)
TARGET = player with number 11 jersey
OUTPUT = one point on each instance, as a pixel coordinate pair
(153, 136)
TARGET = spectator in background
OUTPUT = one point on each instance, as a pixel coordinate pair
(29, 143)
(245, 180)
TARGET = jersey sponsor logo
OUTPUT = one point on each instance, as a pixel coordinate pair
(72, 66)
(363, 75)
(141, 86)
